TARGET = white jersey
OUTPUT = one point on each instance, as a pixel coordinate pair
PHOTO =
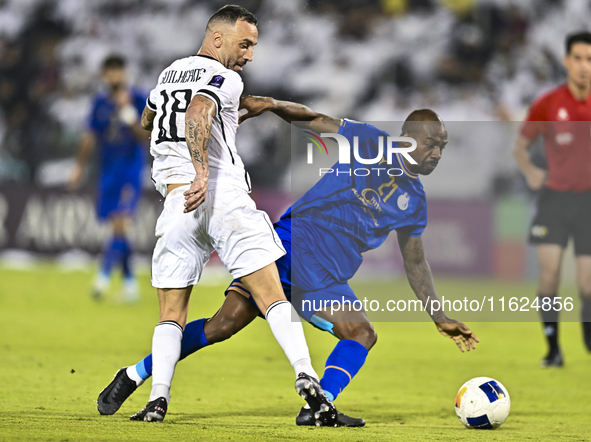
(177, 85)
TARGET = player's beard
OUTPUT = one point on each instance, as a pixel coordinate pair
(114, 88)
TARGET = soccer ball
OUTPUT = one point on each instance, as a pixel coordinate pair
(483, 404)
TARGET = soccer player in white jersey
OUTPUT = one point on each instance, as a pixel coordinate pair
(193, 116)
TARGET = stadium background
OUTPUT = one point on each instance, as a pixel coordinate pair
(367, 60)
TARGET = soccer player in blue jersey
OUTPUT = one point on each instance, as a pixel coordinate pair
(336, 216)
(114, 127)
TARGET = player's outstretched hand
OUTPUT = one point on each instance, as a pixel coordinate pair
(254, 106)
(462, 335)
(195, 196)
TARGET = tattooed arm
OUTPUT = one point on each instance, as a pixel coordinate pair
(148, 118)
(420, 278)
(198, 121)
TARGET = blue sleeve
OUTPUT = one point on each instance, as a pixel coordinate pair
(419, 222)
(92, 122)
(350, 129)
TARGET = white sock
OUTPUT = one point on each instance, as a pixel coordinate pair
(160, 390)
(131, 291)
(289, 333)
(166, 351)
(134, 375)
(305, 366)
(102, 282)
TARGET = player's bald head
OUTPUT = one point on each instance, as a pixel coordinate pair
(230, 37)
(227, 17)
(414, 122)
(430, 134)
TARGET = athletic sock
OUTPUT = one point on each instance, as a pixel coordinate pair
(342, 365)
(289, 333)
(304, 365)
(585, 309)
(166, 350)
(550, 320)
(133, 374)
(586, 320)
(331, 397)
(125, 251)
(111, 255)
(193, 339)
(101, 282)
(131, 292)
(160, 390)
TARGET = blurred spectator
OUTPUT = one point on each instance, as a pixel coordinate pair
(359, 58)
(29, 76)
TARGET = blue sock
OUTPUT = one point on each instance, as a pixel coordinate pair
(193, 339)
(111, 256)
(342, 365)
(125, 248)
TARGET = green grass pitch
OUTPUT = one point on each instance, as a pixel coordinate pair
(59, 348)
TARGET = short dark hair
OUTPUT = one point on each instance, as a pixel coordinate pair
(230, 14)
(414, 122)
(114, 62)
(577, 37)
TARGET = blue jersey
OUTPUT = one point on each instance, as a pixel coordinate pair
(344, 214)
(121, 155)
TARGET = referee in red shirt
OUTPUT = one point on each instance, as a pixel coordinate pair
(564, 206)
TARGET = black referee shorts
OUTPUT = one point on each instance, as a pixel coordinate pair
(561, 215)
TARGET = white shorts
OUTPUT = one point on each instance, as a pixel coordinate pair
(227, 222)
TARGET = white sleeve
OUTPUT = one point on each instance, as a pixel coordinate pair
(224, 89)
(151, 101)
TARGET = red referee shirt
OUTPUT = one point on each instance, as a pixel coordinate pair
(567, 139)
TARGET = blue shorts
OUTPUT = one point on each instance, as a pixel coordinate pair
(306, 302)
(118, 198)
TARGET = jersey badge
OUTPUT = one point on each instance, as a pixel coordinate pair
(403, 201)
(562, 114)
(217, 81)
